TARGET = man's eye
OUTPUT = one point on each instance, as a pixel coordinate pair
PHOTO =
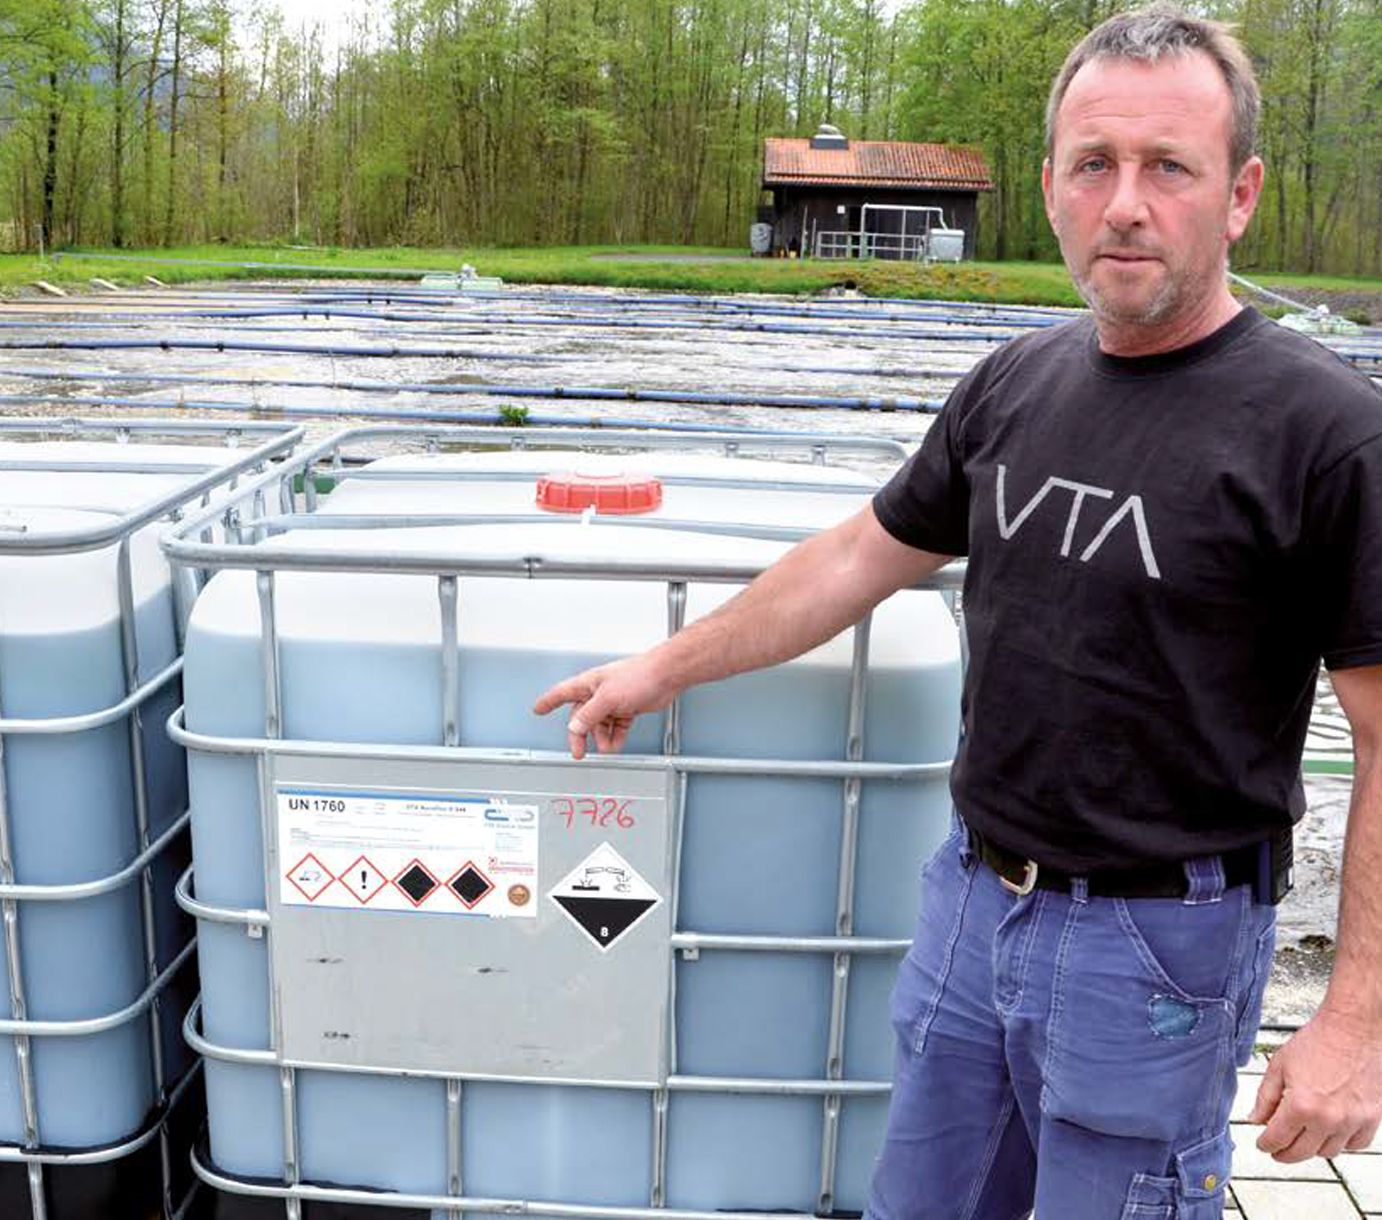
(1171, 167)
(1091, 165)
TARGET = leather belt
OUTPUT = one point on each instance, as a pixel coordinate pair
(1165, 880)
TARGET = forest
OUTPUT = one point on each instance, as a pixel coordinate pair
(145, 123)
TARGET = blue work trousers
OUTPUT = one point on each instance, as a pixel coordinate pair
(1069, 1053)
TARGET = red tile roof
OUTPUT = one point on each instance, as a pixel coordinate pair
(793, 162)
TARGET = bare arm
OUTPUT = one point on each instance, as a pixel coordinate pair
(1323, 1090)
(814, 592)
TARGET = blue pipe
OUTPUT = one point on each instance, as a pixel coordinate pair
(411, 272)
(126, 324)
(429, 416)
(474, 323)
(382, 387)
(693, 397)
(702, 398)
(861, 304)
(235, 345)
(781, 328)
(992, 320)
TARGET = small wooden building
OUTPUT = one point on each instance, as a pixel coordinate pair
(820, 187)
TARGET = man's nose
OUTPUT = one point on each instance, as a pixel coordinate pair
(1127, 205)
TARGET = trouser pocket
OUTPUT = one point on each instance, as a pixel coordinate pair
(1197, 1190)
(1250, 1002)
(1140, 1036)
(925, 972)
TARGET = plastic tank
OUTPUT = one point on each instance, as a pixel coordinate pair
(82, 779)
(945, 245)
(755, 853)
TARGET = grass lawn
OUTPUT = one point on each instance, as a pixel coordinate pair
(1005, 283)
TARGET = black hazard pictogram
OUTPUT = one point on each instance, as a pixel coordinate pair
(470, 885)
(416, 883)
(604, 896)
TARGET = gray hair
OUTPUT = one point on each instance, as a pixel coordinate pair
(1146, 34)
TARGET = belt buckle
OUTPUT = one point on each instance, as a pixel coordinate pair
(1029, 880)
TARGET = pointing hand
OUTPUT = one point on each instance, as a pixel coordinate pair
(605, 702)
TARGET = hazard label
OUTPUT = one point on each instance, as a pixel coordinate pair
(363, 880)
(470, 885)
(408, 851)
(416, 882)
(604, 896)
(310, 876)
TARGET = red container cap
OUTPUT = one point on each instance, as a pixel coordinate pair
(570, 491)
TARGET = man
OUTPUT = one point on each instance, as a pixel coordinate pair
(1172, 511)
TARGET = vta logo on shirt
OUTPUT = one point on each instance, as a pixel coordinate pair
(1130, 509)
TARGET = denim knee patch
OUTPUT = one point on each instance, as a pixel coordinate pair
(1171, 1017)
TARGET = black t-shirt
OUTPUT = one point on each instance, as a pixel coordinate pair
(1161, 549)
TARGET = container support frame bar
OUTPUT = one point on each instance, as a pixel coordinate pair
(296, 1194)
(330, 454)
(448, 600)
(273, 730)
(758, 1086)
(214, 478)
(19, 1010)
(690, 763)
(671, 748)
(129, 652)
(844, 911)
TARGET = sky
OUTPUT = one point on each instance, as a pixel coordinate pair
(328, 12)
(334, 16)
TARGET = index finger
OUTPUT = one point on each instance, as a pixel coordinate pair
(573, 690)
(1282, 1129)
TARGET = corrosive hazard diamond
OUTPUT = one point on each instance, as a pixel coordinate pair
(470, 885)
(605, 896)
(310, 877)
(363, 880)
(416, 882)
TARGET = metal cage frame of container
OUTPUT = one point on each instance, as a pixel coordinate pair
(249, 546)
(274, 441)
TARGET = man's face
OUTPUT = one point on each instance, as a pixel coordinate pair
(1138, 188)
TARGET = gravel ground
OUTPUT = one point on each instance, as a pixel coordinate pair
(1346, 302)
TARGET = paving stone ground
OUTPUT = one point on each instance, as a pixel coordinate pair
(1345, 1188)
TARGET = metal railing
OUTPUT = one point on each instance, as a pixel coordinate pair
(199, 478)
(849, 243)
(257, 544)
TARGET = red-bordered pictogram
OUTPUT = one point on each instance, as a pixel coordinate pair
(473, 887)
(363, 880)
(416, 882)
(310, 877)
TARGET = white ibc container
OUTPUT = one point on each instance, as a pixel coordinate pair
(945, 245)
(758, 1016)
(89, 808)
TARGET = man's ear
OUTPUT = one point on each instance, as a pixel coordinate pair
(1247, 190)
